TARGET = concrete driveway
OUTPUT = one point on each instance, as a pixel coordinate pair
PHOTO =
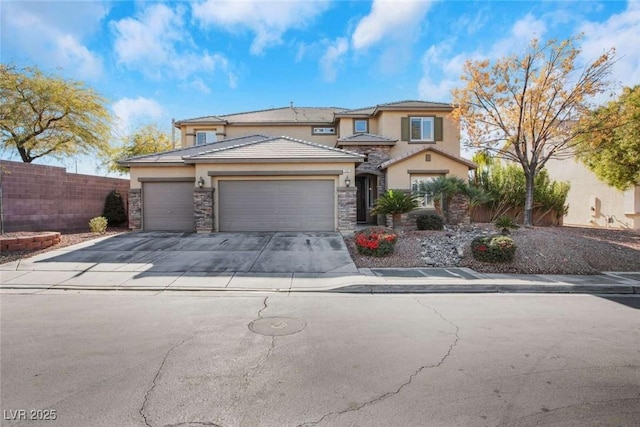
(162, 252)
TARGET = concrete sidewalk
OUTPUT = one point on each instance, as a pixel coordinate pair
(165, 262)
(414, 280)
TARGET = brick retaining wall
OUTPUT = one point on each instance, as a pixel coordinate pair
(38, 197)
(39, 241)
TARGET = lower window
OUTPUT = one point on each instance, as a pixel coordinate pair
(419, 188)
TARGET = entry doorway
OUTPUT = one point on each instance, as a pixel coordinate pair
(366, 195)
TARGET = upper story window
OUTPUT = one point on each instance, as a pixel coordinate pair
(323, 130)
(206, 137)
(360, 126)
(422, 129)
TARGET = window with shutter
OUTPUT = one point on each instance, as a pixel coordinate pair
(422, 129)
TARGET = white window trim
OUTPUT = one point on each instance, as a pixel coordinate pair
(422, 120)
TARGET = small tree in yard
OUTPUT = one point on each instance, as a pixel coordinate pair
(114, 210)
(613, 154)
(394, 203)
(522, 108)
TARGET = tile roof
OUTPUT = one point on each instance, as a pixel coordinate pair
(369, 138)
(285, 114)
(175, 156)
(203, 119)
(281, 148)
(398, 105)
(408, 154)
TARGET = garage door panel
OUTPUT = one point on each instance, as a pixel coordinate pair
(168, 206)
(300, 205)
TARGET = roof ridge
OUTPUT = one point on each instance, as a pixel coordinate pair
(278, 108)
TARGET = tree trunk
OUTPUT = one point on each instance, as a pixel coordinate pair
(528, 201)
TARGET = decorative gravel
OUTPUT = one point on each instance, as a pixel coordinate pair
(66, 239)
(540, 250)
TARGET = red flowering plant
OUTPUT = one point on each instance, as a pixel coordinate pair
(493, 249)
(375, 241)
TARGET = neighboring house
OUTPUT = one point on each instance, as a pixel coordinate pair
(593, 203)
(292, 168)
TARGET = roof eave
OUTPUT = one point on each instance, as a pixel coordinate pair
(277, 160)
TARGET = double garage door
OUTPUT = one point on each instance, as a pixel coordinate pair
(291, 205)
(288, 205)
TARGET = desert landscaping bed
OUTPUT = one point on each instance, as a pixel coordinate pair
(540, 250)
(64, 239)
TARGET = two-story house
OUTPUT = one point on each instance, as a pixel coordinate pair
(292, 168)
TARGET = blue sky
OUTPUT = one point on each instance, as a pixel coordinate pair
(156, 60)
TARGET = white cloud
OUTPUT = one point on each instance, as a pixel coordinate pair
(158, 44)
(395, 20)
(133, 112)
(54, 33)
(267, 19)
(442, 68)
(621, 31)
(332, 57)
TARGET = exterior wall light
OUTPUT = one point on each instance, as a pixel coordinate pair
(347, 181)
(200, 182)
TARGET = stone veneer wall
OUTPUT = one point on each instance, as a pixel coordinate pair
(458, 211)
(347, 216)
(135, 209)
(376, 154)
(203, 209)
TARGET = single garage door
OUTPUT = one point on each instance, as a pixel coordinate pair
(167, 206)
(291, 205)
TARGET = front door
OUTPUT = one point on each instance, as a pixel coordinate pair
(361, 198)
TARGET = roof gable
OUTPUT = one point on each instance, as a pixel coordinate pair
(366, 139)
(406, 105)
(410, 154)
(278, 149)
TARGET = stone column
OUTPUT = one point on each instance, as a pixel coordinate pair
(458, 210)
(135, 209)
(203, 209)
(347, 216)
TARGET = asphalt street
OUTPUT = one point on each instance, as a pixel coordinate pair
(211, 359)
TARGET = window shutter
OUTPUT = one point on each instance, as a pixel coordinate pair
(438, 132)
(404, 130)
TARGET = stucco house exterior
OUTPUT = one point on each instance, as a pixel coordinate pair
(592, 203)
(292, 168)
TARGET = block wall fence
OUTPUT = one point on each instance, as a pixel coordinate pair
(47, 198)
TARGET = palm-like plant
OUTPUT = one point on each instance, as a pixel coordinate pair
(394, 203)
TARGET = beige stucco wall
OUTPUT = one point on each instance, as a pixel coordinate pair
(187, 133)
(302, 132)
(346, 126)
(399, 178)
(159, 172)
(389, 125)
(347, 170)
(587, 191)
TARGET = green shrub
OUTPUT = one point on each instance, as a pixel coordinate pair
(375, 241)
(429, 222)
(493, 248)
(505, 224)
(98, 224)
(114, 210)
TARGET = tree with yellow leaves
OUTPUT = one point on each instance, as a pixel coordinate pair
(43, 115)
(523, 109)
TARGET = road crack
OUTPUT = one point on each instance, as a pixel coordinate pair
(142, 409)
(403, 385)
(265, 306)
